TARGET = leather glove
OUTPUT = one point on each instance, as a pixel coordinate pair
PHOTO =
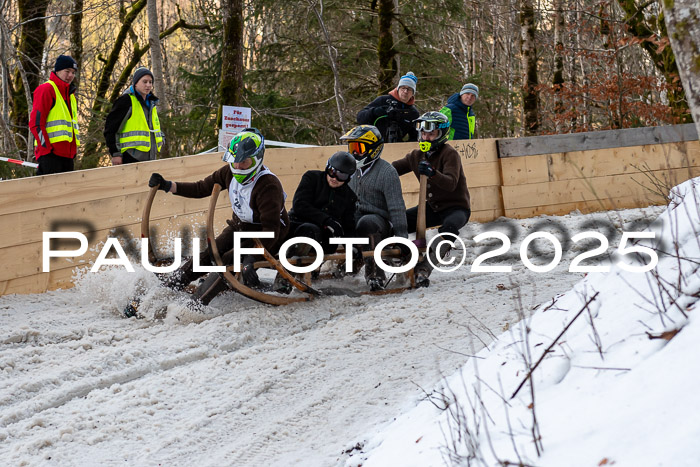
(334, 228)
(158, 180)
(425, 168)
(250, 277)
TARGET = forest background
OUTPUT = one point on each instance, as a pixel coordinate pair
(306, 67)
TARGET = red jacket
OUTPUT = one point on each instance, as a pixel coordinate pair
(44, 100)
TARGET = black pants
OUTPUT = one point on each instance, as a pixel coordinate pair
(376, 228)
(451, 219)
(214, 284)
(52, 164)
(307, 229)
(127, 159)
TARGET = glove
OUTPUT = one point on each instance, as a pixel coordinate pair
(158, 180)
(250, 277)
(334, 228)
(425, 168)
(419, 242)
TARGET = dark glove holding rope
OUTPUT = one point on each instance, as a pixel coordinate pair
(425, 168)
(158, 180)
(333, 227)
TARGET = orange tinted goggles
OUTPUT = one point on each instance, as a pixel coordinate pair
(355, 147)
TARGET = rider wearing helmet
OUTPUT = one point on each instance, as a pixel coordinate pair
(381, 212)
(324, 204)
(323, 208)
(257, 200)
(447, 201)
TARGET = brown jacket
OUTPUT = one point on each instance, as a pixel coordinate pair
(267, 200)
(448, 187)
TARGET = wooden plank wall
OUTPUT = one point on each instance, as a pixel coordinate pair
(599, 171)
(108, 202)
(520, 177)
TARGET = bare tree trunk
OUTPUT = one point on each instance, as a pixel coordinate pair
(385, 46)
(397, 57)
(662, 57)
(558, 78)
(528, 51)
(231, 87)
(156, 53)
(90, 157)
(30, 52)
(683, 24)
(587, 112)
(76, 38)
(332, 56)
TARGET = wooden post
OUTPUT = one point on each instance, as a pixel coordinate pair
(422, 194)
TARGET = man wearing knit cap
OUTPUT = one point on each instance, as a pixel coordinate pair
(54, 119)
(460, 114)
(393, 114)
(132, 129)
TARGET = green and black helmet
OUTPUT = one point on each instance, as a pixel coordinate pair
(248, 144)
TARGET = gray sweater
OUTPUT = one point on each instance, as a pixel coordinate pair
(379, 192)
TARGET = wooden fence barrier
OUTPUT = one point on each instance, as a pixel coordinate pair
(532, 176)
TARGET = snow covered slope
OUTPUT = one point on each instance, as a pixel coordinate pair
(247, 384)
(619, 387)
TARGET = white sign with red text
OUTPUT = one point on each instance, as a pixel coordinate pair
(233, 120)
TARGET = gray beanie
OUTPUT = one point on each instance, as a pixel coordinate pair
(410, 80)
(471, 89)
(139, 73)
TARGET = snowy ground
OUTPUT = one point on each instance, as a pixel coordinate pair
(311, 384)
(619, 387)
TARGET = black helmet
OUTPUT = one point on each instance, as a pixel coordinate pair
(341, 166)
(428, 122)
(365, 143)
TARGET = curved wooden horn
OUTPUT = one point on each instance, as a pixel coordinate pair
(235, 284)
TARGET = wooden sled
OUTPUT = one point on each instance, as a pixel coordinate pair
(273, 263)
(270, 262)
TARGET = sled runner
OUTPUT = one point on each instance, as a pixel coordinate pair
(264, 294)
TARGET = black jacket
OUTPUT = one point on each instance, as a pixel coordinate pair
(117, 117)
(315, 201)
(376, 114)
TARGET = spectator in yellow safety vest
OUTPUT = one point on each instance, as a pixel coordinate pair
(54, 119)
(132, 129)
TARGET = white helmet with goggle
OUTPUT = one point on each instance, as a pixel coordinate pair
(248, 144)
(429, 122)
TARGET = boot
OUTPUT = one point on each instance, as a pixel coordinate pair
(281, 285)
(357, 263)
(424, 268)
(374, 275)
(211, 286)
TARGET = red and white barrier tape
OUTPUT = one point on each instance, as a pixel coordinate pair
(19, 162)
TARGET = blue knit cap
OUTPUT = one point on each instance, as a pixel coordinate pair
(471, 89)
(410, 80)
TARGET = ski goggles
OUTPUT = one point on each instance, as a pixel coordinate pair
(356, 147)
(337, 174)
(231, 159)
(426, 126)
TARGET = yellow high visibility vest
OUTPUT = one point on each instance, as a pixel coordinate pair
(62, 125)
(136, 134)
